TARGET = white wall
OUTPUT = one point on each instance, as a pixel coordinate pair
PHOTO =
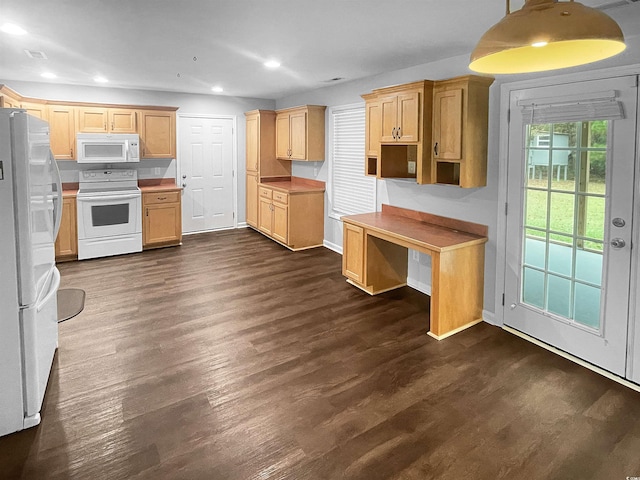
(186, 103)
(479, 205)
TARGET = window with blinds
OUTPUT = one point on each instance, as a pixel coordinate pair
(351, 191)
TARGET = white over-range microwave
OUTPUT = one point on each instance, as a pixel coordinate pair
(108, 147)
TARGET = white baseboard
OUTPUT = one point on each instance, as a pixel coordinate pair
(332, 246)
(242, 225)
(490, 317)
(419, 286)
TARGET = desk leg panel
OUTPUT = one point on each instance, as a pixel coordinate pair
(457, 289)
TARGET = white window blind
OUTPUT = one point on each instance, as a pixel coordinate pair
(573, 108)
(351, 190)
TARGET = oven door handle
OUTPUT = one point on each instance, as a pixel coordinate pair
(108, 198)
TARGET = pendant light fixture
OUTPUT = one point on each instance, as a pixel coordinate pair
(546, 35)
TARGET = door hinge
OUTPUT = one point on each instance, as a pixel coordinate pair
(503, 299)
(233, 214)
(508, 115)
(506, 208)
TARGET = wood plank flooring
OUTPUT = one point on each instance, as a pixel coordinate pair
(233, 358)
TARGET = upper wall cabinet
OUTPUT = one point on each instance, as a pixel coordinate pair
(62, 131)
(398, 131)
(300, 133)
(435, 132)
(106, 120)
(158, 133)
(261, 145)
(460, 131)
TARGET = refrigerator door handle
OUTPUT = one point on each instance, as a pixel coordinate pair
(58, 202)
(53, 289)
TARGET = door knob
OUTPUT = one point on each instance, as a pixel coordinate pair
(184, 176)
(184, 184)
(618, 243)
(513, 306)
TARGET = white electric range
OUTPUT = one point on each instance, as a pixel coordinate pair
(109, 213)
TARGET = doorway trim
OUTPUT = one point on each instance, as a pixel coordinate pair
(633, 358)
(234, 160)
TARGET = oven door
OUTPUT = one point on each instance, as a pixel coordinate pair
(102, 216)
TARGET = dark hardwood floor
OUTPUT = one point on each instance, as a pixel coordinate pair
(233, 358)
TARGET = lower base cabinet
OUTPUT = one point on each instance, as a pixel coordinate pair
(353, 253)
(252, 199)
(162, 219)
(67, 240)
(294, 219)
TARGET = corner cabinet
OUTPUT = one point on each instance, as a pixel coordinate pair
(158, 133)
(162, 218)
(66, 245)
(460, 131)
(300, 133)
(430, 131)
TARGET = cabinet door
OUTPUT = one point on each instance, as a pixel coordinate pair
(282, 136)
(122, 120)
(252, 199)
(162, 224)
(280, 222)
(158, 134)
(92, 120)
(9, 102)
(253, 137)
(265, 216)
(409, 117)
(67, 240)
(353, 253)
(62, 131)
(373, 125)
(447, 125)
(298, 135)
(38, 110)
(389, 118)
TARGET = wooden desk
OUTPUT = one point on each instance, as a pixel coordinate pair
(375, 260)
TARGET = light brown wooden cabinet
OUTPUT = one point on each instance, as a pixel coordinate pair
(460, 131)
(106, 120)
(252, 199)
(9, 98)
(435, 132)
(62, 131)
(353, 253)
(66, 245)
(293, 218)
(38, 110)
(300, 133)
(261, 158)
(162, 213)
(158, 133)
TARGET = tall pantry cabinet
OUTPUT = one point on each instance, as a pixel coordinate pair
(261, 157)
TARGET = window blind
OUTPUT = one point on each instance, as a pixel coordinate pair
(575, 108)
(351, 191)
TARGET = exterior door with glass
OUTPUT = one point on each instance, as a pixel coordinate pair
(570, 200)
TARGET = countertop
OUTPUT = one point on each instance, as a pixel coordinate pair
(157, 184)
(292, 185)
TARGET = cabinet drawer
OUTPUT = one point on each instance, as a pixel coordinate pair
(265, 192)
(280, 197)
(161, 197)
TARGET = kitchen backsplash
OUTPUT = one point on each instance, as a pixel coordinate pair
(157, 168)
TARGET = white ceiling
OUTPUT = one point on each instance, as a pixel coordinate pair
(192, 45)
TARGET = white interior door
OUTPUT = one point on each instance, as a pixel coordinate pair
(570, 201)
(206, 168)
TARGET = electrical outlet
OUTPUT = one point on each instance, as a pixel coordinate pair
(411, 166)
(158, 171)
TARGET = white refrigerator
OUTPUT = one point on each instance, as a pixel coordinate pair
(30, 213)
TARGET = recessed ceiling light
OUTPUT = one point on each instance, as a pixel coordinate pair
(48, 75)
(12, 29)
(100, 80)
(272, 64)
(217, 89)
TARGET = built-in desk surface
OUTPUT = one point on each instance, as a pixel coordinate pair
(375, 260)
